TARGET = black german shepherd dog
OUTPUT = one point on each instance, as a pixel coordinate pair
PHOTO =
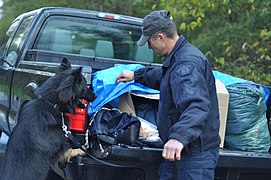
(38, 139)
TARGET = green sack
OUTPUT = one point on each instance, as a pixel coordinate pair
(247, 127)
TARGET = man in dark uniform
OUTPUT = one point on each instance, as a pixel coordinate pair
(188, 117)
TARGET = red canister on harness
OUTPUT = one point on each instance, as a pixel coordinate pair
(78, 121)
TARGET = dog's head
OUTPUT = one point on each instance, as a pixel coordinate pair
(66, 88)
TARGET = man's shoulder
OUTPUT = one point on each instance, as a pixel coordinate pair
(189, 53)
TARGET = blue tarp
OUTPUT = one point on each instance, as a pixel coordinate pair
(107, 90)
(229, 80)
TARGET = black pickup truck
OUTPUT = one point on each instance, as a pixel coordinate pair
(32, 48)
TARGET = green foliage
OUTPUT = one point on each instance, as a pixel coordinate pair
(235, 35)
(139, 8)
(188, 14)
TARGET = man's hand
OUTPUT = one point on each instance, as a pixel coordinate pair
(125, 76)
(172, 150)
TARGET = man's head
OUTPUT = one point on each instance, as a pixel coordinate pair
(159, 31)
(152, 23)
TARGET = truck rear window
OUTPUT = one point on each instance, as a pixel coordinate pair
(94, 38)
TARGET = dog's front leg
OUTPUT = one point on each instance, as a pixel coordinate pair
(70, 153)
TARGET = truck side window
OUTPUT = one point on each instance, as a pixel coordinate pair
(5, 39)
(17, 41)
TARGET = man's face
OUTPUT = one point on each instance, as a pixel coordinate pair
(156, 42)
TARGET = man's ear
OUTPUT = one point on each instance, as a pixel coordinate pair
(160, 36)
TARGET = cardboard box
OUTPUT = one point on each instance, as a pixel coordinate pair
(126, 105)
(126, 102)
(223, 104)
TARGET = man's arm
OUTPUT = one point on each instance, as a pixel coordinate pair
(149, 77)
(125, 76)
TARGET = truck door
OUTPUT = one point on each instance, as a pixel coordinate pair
(6, 67)
(10, 49)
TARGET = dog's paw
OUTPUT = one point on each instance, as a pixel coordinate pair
(77, 152)
(70, 153)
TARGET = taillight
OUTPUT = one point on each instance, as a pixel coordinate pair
(78, 121)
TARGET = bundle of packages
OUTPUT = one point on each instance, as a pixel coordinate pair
(149, 134)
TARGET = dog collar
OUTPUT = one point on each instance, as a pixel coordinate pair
(55, 106)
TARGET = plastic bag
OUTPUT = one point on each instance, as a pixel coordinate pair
(247, 127)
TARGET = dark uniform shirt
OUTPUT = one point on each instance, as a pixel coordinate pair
(188, 105)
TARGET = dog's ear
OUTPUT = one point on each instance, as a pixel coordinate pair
(65, 64)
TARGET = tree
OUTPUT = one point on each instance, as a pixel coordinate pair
(239, 38)
(234, 35)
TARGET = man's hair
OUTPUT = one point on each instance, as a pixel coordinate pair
(170, 31)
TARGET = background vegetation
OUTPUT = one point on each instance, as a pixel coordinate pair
(235, 35)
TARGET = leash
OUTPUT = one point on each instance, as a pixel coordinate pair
(69, 135)
(175, 170)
